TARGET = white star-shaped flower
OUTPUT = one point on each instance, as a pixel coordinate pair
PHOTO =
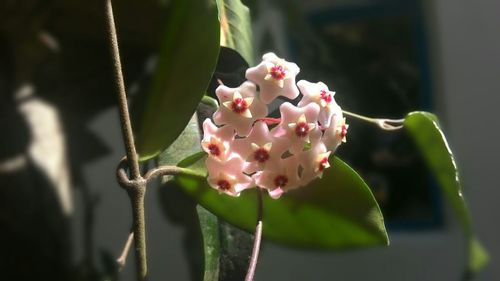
(240, 107)
(318, 93)
(275, 77)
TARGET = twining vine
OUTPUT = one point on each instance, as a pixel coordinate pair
(135, 184)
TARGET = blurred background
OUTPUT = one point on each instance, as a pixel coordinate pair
(63, 216)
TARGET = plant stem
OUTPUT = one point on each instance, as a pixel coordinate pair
(270, 121)
(384, 124)
(122, 260)
(257, 239)
(126, 126)
(121, 174)
(137, 188)
(139, 226)
(171, 171)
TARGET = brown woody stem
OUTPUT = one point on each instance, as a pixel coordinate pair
(137, 188)
(126, 126)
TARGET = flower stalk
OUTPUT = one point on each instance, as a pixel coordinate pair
(257, 238)
(384, 124)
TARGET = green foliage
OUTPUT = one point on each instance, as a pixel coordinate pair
(225, 248)
(211, 243)
(425, 129)
(224, 242)
(235, 24)
(184, 68)
(337, 211)
(182, 151)
(236, 249)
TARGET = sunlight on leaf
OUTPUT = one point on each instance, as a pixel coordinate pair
(338, 211)
(426, 132)
(236, 30)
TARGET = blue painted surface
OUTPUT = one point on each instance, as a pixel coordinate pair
(387, 9)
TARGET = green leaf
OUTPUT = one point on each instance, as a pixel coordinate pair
(185, 152)
(429, 137)
(186, 61)
(235, 26)
(337, 211)
(236, 249)
(209, 225)
(209, 101)
(184, 149)
(225, 248)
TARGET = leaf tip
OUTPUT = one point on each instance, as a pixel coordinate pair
(478, 256)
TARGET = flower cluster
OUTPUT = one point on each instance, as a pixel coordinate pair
(246, 149)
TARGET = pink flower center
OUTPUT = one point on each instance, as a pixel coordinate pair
(326, 96)
(302, 129)
(323, 163)
(278, 72)
(223, 185)
(280, 181)
(239, 105)
(214, 149)
(343, 132)
(261, 155)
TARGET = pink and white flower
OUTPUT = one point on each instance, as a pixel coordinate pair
(281, 178)
(244, 152)
(299, 125)
(337, 133)
(227, 176)
(275, 77)
(216, 141)
(239, 107)
(313, 162)
(260, 148)
(318, 93)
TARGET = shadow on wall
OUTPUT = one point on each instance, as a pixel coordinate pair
(33, 228)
